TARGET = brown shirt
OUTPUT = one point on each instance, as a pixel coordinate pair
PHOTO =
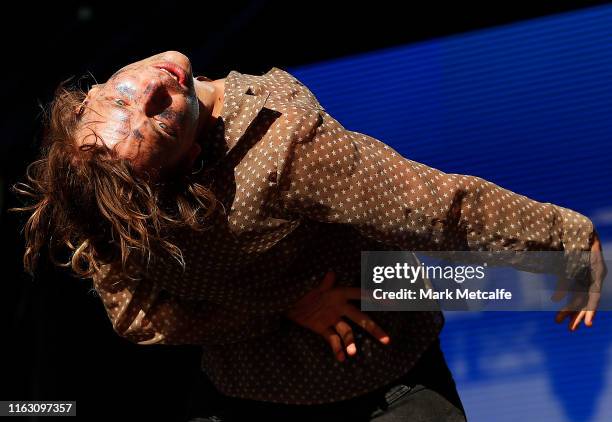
(301, 195)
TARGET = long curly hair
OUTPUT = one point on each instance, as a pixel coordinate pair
(86, 198)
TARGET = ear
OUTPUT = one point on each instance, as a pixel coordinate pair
(92, 90)
(79, 109)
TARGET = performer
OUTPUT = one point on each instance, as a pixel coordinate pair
(231, 214)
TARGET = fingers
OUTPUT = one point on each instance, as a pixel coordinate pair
(575, 318)
(343, 333)
(575, 321)
(365, 322)
(588, 319)
(334, 341)
(562, 314)
(346, 332)
(328, 281)
(592, 301)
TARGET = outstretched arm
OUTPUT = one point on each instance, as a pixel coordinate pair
(331, 174)
(334, 175)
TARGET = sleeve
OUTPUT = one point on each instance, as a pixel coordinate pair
(143, 313)
(334, 175)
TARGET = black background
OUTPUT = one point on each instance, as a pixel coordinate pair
(58, 343)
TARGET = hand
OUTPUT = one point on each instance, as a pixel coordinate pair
(321, 310)
(583, 305)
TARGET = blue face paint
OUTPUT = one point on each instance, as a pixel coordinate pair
(125, 89)
(138, 135)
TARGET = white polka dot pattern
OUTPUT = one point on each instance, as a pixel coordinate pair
(302, 195)
(334, 175)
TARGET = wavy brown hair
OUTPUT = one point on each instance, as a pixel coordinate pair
(86, 198)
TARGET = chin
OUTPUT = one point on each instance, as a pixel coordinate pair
(178, 58)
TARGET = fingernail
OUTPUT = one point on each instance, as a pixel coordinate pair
(385, 340)
(352, 349)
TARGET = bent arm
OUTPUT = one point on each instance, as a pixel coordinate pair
(143, 313)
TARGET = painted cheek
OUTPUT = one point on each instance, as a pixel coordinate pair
(117, 128)
(193, 106)
(121, 118)
(110, 136)
(138, 135)
(192, 112)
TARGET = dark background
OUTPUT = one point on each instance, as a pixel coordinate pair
(58, 342)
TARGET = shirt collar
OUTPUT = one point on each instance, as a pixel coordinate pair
(243, 101)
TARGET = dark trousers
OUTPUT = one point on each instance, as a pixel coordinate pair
(426, 393)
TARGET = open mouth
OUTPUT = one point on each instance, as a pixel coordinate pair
(177, 73)
(171, 74)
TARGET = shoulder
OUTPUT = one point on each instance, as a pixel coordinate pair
(113, 276)
(282, 74)
(286, 88)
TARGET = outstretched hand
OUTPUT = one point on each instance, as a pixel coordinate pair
(583, 304)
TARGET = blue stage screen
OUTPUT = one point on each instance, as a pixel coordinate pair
(528, 106)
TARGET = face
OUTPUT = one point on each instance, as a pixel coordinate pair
(148, 111)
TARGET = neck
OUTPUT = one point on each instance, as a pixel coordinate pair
(210, 97)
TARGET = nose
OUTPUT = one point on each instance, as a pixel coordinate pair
(155, 98)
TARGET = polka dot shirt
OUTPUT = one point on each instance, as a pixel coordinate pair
(302, 195)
